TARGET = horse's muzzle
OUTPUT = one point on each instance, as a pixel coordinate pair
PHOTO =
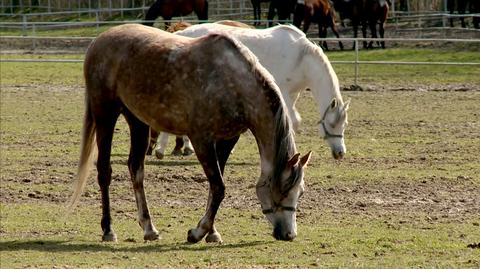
(281, 235)
(338, 155)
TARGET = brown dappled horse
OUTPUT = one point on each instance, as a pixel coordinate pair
(317, 11)
(168, 9)
(212, 89)
(363, 12)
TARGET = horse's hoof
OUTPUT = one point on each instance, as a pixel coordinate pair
(109, 237)
(159, 154)
(151, 236)
(214, 238)
(187, 152)
(177, 152)
(191, 238)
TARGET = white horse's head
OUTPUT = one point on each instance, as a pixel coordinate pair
(332, 127)
(279, 198)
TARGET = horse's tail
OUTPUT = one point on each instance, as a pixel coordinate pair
(86, 153)
(153, 13)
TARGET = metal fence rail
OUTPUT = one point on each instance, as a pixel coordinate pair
(356, 62)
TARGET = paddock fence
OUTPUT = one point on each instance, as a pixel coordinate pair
(355, 61)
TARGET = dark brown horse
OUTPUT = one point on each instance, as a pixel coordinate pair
(365, 12)
(317, 11)
(168, 9)
(461, 7)
(257, 10)
(282, 8)
(212, 89)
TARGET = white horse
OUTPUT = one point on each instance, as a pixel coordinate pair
(296, 64)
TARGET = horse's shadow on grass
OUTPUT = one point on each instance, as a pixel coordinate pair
(172, 163)
(71, 246)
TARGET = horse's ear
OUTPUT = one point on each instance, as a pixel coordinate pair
(305, 159)
(333, 104)
(294, 160)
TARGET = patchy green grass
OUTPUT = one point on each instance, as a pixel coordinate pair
(406, 195)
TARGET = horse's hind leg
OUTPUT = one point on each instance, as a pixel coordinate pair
(177, 150)
(153, 141)
(206, 154)
(188, 150)
(104, 136)
(138, 147)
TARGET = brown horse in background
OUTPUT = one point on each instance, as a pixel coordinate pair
(365, 12)
(168, 9)
(317, 11)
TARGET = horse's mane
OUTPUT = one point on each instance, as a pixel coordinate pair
(311, 49)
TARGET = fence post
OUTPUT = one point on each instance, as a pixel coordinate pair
(34, 33)
(24, 25)
(96, 19)
(355, 80)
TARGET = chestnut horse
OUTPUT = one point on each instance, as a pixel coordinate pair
(168, 9)
(317, 11)
(212, 89)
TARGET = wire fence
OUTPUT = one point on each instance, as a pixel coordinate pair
(355, 61)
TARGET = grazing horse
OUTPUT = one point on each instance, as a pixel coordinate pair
(296, 64)
(363, 12)
(212, 89)
(320, 12)
(176, 8)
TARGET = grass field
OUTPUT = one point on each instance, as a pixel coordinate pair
(406, 195)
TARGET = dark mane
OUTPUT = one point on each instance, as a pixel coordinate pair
(285, 149)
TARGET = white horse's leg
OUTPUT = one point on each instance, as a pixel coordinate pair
(292, 110)
(188, 150)
(161, 145)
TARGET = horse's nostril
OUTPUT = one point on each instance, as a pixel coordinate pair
(289, 236)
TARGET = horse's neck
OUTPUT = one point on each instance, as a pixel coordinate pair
(274, 138)
(321, 79)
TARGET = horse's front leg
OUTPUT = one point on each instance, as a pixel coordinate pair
(207, 156)
(138, 147)
(381, 31)
(364, 33)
